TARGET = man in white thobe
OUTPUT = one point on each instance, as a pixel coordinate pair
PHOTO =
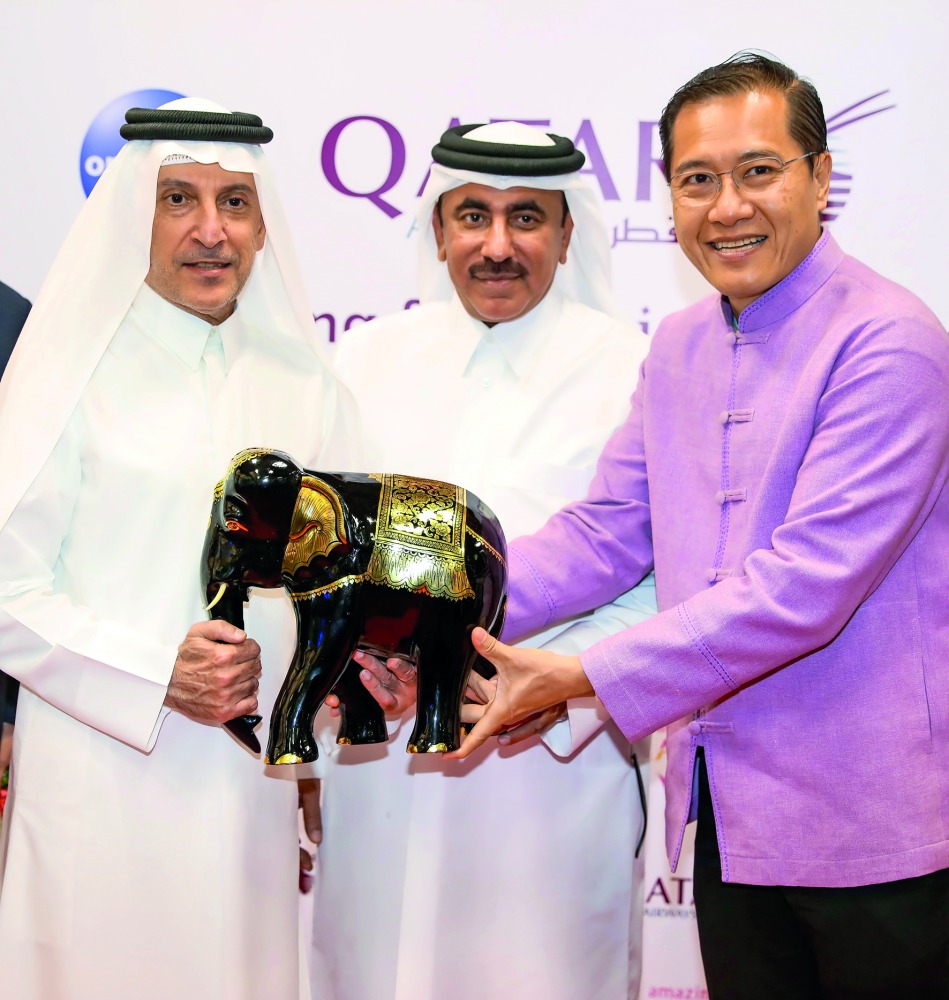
(507, 380)
(146, 853)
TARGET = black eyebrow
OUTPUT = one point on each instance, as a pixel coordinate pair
(748, 154)
(526, 206)
(473, 204)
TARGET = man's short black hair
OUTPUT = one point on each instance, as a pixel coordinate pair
(743, 73)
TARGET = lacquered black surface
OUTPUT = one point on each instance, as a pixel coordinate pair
(245, 546)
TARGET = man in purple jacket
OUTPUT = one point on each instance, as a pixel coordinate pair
(784, 468)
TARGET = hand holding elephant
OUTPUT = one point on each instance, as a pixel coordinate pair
(216, 673)
(392, 564)
(529, 681)
(393, 683)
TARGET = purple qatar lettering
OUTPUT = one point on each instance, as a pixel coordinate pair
(647, 160)
(648, 163)
(396, 162)
(676, 898)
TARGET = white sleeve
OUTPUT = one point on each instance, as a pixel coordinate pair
(586, 716)
(105, 674)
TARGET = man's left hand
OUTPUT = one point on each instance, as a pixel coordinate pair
(393, 684)
(529, 681)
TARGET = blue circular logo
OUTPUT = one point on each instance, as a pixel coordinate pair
(103, 141)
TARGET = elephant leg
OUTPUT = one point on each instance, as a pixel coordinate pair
(445, 659)
(328, 627)
(362, 719)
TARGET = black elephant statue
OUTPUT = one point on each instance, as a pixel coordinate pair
(391, 564)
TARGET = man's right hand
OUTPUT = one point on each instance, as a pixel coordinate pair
(216, 674)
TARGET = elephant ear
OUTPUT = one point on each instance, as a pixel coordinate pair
(317, 526)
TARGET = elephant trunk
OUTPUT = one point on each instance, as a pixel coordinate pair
(226, 603)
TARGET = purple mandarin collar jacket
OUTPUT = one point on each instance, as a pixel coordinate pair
(788, 481)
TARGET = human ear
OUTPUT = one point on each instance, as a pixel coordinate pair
(439, 234)
(822, 171)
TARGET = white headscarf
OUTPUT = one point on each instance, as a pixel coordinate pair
(95, 277)
(586, 277)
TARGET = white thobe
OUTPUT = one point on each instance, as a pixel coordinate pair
(511, 874)
(145, 855)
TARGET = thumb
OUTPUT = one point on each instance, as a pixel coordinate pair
(218, 630)
(487, 646)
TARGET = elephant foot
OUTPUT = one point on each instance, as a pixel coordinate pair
(299, 750)
(433, 748)
(436, 739)
(362, 730)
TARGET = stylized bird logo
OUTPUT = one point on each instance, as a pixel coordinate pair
(839, 179)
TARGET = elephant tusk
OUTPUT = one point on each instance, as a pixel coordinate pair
(217, 597)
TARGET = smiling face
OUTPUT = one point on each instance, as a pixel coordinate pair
(207, 229)
(501, 247)
(744, 244)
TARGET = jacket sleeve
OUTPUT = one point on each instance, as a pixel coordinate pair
(875, 466)
(105, 674)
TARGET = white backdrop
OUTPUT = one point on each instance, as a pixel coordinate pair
(403, 71)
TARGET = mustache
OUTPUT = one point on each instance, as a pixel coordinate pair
(206, 255)
(508, 268)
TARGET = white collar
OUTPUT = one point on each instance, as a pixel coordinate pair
(520, 342)
(182, 333)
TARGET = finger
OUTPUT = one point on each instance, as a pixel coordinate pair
(489, 724)
(484, 642)
(404, 670)
(309, 789)
(306, 861)
(493, 650)
(481, 689)
(372, 664)
(218, 630)
(368, 661)
(378, 690)
(331, 701)
(535, 725)
(246, 706)
(247, 672)
(472, 713)
(530, 727)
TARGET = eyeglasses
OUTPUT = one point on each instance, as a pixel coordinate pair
(755, 176)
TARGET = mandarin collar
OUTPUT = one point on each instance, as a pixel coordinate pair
(182, 333)
(519, 341)
(792, 291)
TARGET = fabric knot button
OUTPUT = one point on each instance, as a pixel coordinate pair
(695, 728)
(711, 575)
(723, 417)
(486, 383)
(720, 497)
